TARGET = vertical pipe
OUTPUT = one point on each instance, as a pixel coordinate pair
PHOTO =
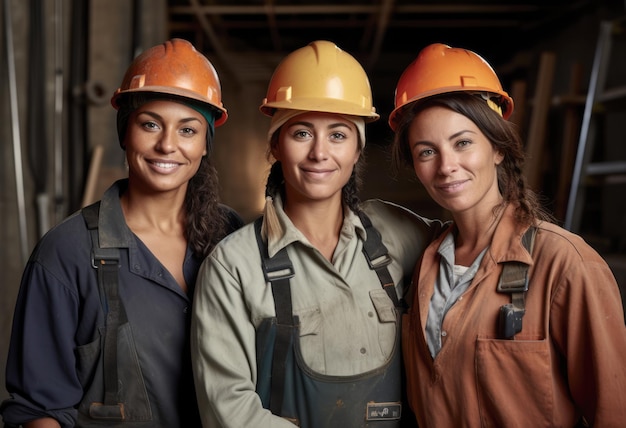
(60, 211)
(15, 128)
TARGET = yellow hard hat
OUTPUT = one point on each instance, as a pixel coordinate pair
(320, 77)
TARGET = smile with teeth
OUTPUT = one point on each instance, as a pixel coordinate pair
(165, 165)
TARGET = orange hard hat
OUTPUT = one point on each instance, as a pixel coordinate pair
(439, 69)
(320, 77)
(174, 68)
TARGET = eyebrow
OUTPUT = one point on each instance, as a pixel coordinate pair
(332, 125)
(451, 137)
(457, 134)
(160, 118)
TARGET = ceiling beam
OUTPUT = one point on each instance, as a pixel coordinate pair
(334, 9)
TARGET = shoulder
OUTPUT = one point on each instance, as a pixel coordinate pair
(393, 216)
(564, 244)
(404, 233)
(65, 240)
(237, 246)
(565, 258)
(233, 219)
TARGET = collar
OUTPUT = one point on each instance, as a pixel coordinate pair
(113, 231)
(351, 225)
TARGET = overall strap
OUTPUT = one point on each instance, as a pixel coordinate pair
(378, 258)
(277, 271)
(106, 262)
(514, 280)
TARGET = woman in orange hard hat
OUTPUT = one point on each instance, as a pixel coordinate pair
(296, 317)
(101, 327)
(514, 321)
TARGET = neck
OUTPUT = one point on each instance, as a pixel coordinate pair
(474, 234)
(319, 222)
(164, 212)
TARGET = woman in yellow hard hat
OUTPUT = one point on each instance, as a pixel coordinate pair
(296, 317)
(101, 327)
(514, 321)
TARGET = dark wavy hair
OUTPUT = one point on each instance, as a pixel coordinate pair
(205, 221)
(502, 134)
(350, 191)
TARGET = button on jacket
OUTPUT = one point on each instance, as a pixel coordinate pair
(347, 321)
(567, 362)
(58, 315)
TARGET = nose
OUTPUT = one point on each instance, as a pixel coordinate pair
(448, 162)
(319, 149)
(166, 142)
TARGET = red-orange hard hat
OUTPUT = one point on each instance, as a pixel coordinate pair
(440, 69)
(175, 68)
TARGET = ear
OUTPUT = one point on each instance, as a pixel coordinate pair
(275, 152)
(357, 156)
(499, 158)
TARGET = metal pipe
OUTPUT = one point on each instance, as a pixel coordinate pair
(15, 128)
(59, 199)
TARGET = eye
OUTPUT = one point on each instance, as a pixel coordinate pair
(301, 134)
(424, 153)
(188, 131)
(150, 125)
(463, 143)
(338, 136)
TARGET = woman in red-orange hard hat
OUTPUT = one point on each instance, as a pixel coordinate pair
(514, 321)
(101, 329)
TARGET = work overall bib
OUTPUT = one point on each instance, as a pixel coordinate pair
(106, 365)
(289, 388)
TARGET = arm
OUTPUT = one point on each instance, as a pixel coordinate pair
(41, 365)
(224, 355)
(587, 323)
(43, 423)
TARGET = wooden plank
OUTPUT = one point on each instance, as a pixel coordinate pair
(539, 116)
(518, 93)
(571, 129)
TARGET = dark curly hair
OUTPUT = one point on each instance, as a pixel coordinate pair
(206, 223)
(503, 136)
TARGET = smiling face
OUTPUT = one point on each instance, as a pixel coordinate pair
(165, 142)
(454, 160)
(318, 152)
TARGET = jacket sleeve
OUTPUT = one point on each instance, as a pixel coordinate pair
(41, 374)
(223, 344)
(587, 324)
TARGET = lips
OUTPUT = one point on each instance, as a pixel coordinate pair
(452, 187)
(317, 173)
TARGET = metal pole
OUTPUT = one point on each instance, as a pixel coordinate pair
(15, 128)
(596, 85)
(58, 113)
